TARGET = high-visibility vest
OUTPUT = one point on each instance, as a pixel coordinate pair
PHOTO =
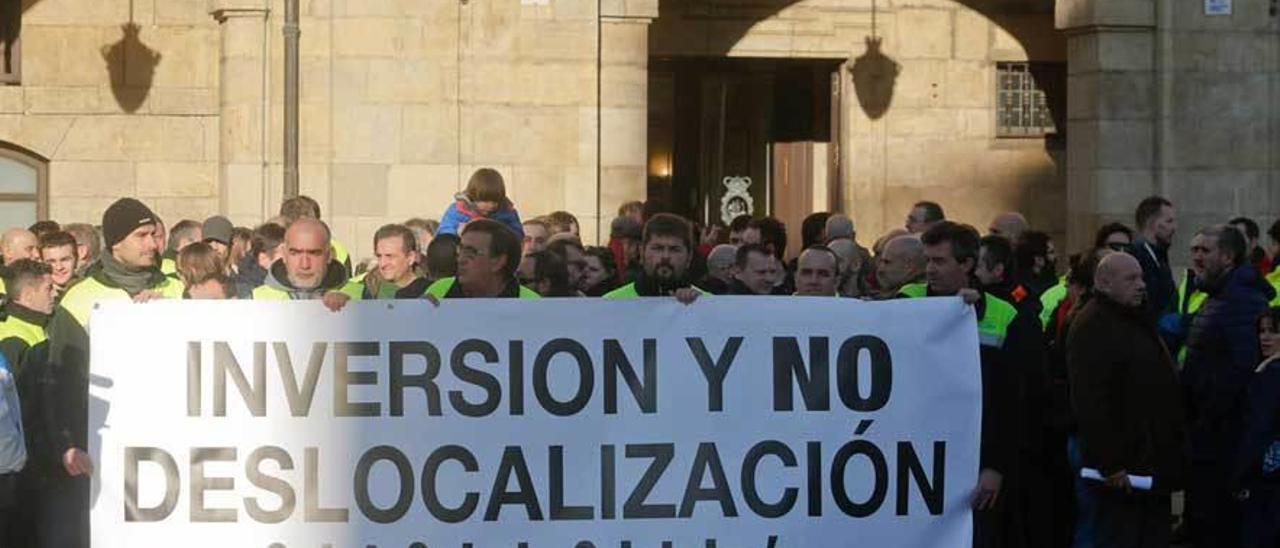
(80, 299)
(30, 333)
(997, 315)
(914, 291)
(1050, 300)
(1190, 303)
(1273, 278)
(339, 253)
(168, 267)
(441, 288)
(629, 292)
(268, 293)
(993, 327)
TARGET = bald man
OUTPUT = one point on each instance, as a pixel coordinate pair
(1128, 402)
(308, 269)
(17, 244)
(900, 264)
(1010, 224)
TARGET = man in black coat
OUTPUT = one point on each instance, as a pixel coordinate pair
(1222, 353)
(1157, 224)
(1127, 400)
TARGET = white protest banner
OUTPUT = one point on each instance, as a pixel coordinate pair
(732, 422)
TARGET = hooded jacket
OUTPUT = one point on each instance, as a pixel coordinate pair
(1222, 354)
(463, 210)
(276, 286)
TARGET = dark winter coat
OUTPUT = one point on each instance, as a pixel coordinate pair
(1222, 353)
(1125, 395)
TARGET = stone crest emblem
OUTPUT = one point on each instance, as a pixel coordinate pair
(736, 200)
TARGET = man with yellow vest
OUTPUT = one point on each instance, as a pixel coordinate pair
(304, 207)
(951, 251)
(666, 252)
(128, 269)
(308, 270)
(24, 317)
(488, 256)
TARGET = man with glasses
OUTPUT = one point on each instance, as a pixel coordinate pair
(488, 256)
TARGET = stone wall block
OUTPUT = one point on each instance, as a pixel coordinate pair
(177, 180)
(1127, 145)
(972, 36)
(418, 190)
(429, 134)
(86, 179)
(924, 33)
(359, 189)
(367, 133)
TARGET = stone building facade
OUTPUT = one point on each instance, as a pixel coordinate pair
(579, 104)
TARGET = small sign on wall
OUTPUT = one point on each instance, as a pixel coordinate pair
(1217, 7)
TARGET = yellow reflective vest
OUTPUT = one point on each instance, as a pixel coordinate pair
(268, 293)
(440, 289)
(629, 292)
(80, 299)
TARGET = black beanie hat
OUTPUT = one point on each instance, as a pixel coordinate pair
(122, 218)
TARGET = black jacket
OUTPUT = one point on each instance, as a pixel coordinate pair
(1125, 394)
(1162, 291)
(55, 386)
(1262, 429)
(1222, 353)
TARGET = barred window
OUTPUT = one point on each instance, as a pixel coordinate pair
(1030, 99)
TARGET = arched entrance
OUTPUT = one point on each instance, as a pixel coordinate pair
(863, 106)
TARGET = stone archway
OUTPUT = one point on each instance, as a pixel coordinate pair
(918, 115)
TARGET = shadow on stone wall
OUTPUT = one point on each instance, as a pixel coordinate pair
(874, 76)
(132, 66)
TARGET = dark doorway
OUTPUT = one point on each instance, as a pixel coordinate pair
(730, 135)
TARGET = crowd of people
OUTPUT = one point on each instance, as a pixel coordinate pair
(1106, 389)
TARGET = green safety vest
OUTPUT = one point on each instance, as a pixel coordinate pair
(339, 253)
(168, 267)
(1050, 300)
(629, 292)
(1190, 303)
(268, 293)
(442, 286)
(914, 291)
(79, 300)
(30, 333)
(1273, 278)
(993, 327)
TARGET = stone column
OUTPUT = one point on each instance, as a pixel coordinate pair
(1112, 103)
(624, 108)
(243, 111)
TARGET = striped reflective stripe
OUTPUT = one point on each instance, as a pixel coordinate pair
(991, 340)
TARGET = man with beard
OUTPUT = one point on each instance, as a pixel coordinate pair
(308, 270)
(666, 252)
(995, 274)
(1036, 262)
(1157, 224)
(1222, 352)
